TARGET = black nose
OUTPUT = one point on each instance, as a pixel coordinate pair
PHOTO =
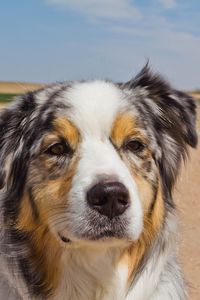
(109, 198)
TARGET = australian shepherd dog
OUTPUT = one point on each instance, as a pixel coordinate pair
(86, 177)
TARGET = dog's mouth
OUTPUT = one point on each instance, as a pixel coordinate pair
(101, 236)
(105, 232)
(97, 236)
(97, 228)
(104, 235)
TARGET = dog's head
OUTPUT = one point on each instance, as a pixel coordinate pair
(93, 161)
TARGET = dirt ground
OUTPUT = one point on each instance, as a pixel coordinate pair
(188, 204)
(186, 197)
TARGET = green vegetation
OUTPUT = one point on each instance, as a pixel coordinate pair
(6, 97)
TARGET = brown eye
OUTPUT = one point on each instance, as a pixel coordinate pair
(135, 146)
(59, 149)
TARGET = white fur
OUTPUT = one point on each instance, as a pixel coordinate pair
(94, 106)
(90, 274)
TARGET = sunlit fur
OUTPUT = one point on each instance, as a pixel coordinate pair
(53, 245)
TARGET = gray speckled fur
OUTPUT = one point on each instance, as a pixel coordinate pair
(168, 117)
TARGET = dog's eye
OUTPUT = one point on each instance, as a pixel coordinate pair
(134, 146)
(59, 149)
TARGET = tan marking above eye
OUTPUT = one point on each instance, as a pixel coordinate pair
(125, 128)
(63, 131)
(66, 130)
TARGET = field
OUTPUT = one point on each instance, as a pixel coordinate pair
(10, 89)
(186, 198)
(17, 87)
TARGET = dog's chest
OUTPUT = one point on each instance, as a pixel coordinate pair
(93, 280)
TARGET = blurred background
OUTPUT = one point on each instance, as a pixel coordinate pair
(43, 41)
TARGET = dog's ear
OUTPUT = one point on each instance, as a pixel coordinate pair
(16, 135)
(7, 128)
(171, 114)
(13, 121)
(8, 141)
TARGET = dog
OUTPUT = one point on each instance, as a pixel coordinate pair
(87, 175)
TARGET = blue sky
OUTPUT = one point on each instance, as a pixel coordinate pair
(53, 40)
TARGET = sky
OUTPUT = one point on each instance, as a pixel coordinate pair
(58, 40)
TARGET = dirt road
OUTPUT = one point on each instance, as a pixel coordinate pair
(188, 203)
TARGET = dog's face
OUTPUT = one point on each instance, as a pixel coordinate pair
(94, 161)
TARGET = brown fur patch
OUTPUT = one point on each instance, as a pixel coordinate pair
(135, 253)
(124, 127)
(67, 130)
(50, 198)
(44, 249)
(146, 191)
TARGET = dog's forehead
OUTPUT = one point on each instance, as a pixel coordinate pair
(93, 106)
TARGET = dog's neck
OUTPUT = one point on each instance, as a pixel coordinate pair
(98, 275)
(89, 274)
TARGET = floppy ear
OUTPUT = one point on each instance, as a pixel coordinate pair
(21, 126)
(12, 124)
(14, 154)
(171, 114)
